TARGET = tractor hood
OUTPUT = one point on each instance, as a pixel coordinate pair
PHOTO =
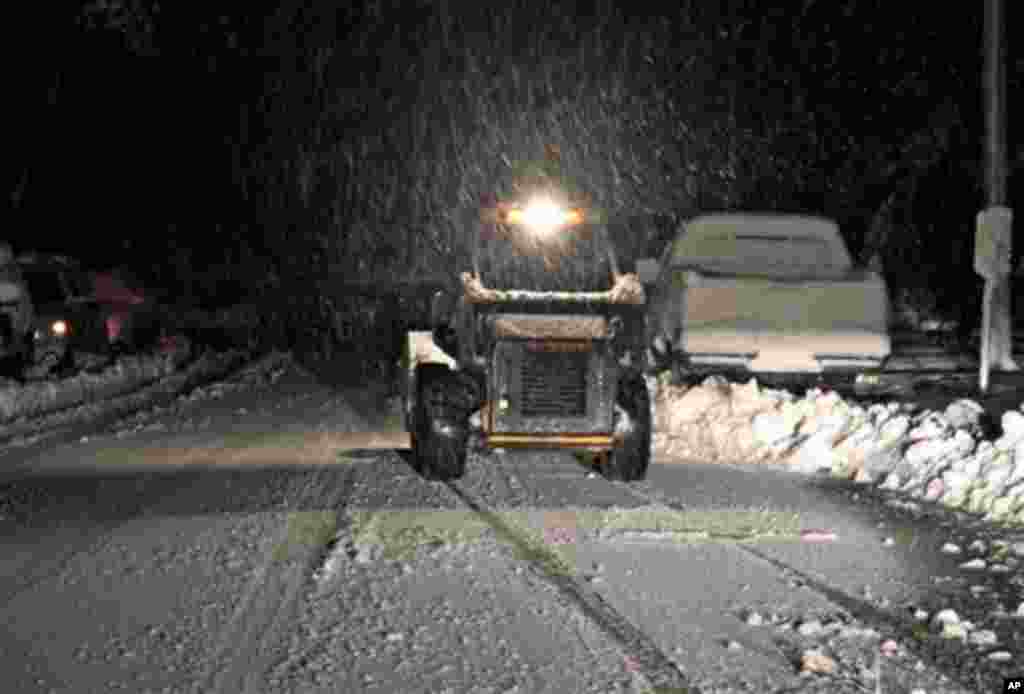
(626, 289)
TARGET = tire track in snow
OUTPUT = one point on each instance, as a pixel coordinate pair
(245, 647)
(900, 628)
(642, 652)
(245, 650)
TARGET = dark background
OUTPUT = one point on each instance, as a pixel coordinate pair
(222, 150)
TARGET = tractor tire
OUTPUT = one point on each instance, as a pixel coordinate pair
(440, 423)
(628, 460)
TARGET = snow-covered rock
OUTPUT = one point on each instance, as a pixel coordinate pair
(953, 631)
(815, 453)
(927, 450)
(957, 481)
(707, 400)
(1018, 467)
(879, 461)
(962, 444)
(997, 475)
(891, 482)
(747, 400)
(963, 414)
(934, 489)
(935, 456)
(1013, 424)
(969, 467)
(774, 428)
(894, 429)
(1002, 508)
(978, 500)
(983, 637)
(930, 425)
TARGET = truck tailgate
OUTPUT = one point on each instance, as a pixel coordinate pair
(734, 314)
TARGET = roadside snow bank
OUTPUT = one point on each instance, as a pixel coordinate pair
(185, 385)
(935, 456)
(125, 375)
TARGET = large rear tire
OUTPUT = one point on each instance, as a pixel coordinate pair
(628, 460)
(440, 423)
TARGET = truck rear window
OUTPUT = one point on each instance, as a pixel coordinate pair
(757, 253)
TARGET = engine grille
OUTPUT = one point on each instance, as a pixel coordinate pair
(554, 384)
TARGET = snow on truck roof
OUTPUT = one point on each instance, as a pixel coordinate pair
(762, 239)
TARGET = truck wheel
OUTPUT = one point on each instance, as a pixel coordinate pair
(48, 364)
(441, 423)
(18, 364)
(629, 459)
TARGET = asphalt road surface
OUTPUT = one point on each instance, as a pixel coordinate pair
(276, 539)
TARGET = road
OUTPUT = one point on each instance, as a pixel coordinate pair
(275, 539)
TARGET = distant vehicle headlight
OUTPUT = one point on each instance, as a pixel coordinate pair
(59, 328)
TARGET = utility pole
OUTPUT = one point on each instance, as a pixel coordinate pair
(993, 240)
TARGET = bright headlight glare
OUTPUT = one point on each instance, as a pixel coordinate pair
(59, 328)
(542, 216)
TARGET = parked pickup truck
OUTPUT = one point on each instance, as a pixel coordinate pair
(766, 293)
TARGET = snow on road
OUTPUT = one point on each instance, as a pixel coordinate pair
(246, 539)
(195, 572)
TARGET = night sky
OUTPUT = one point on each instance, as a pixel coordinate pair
(118, 142)
(135, 133)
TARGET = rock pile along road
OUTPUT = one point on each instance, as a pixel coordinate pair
(267, 534)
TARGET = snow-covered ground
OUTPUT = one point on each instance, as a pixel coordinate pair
(70, 408)
(258, 557)
(938, 456)
(36, 398)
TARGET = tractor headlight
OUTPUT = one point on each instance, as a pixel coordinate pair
(59, 328)
(543, 216)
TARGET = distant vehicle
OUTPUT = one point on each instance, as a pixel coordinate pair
(130, 313)
(68, 319)
(16, 316)
(764, 293)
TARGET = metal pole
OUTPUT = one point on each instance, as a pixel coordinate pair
(986, 338)
(997, 327)
(995, 105)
